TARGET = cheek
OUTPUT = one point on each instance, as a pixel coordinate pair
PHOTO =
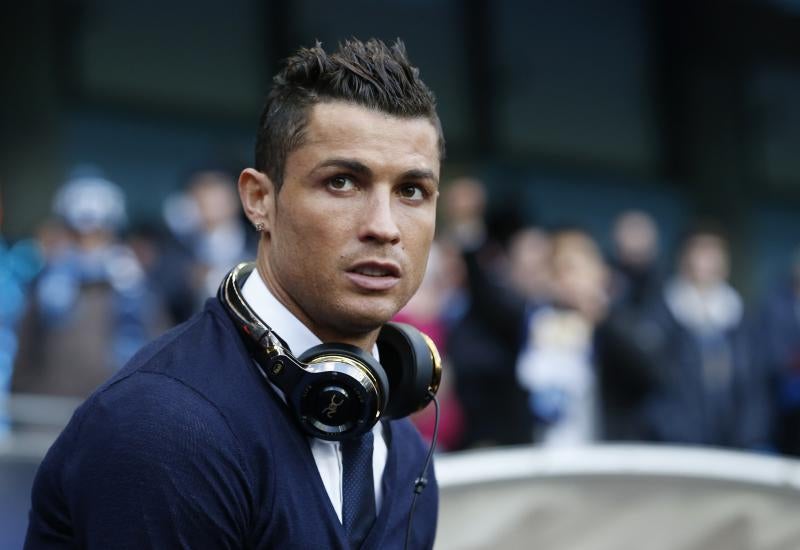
(418, 273)
(307, 232)
(418, 226)
(418, 252)
(300, 247)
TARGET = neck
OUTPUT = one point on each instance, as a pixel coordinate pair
(326, 334)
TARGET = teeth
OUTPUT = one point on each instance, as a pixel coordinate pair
(372, 271)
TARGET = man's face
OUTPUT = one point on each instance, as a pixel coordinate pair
(705, 260)
(350, 230)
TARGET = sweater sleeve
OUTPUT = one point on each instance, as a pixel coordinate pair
(147, 464)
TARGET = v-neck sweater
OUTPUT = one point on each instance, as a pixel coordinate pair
(327, 454)
(187, 447)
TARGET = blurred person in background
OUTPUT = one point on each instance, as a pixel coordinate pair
(777, 344)
(167, 270)
(634, 261)
(627, 341)
(211, 234)
(529, 271)
(429, 310)
(19, 263)
(710, 390)
(89, 310)
(486, 338)
(586, 376)
(556, 364)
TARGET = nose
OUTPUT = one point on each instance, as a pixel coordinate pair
(378, 219)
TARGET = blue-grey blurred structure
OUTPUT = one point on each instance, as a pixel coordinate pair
(676, 107)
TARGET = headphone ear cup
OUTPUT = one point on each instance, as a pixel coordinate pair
(411, 365)
(365, 361)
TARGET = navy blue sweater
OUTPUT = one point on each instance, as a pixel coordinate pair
(187, 447)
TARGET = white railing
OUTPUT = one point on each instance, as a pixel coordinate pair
(617, 497)
(35, 421)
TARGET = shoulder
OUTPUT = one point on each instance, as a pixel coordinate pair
(158, 467)
(201, 336)
(176, 442)
(164, 406)
(149, 449)
(152, 420)
(199, 367)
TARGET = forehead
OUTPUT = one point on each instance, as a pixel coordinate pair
(705, 242)
(346, 130)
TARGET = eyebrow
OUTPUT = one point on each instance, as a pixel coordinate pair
(349, 164)
(421, 175)
(362, 169)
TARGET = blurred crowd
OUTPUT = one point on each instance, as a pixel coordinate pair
(546, 339)
(97, 287)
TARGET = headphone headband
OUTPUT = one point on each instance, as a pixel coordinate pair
(247, 319)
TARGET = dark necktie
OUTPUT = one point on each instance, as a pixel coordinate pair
(358, 493)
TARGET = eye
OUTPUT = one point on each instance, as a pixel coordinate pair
(341, 183)
(413, 192)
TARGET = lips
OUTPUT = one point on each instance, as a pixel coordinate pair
(374, 275)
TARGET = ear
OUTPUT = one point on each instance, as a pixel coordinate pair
(257, 193)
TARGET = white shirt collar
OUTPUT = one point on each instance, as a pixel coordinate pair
(327, 454)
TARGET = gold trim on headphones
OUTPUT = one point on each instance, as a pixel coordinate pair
(436, 378)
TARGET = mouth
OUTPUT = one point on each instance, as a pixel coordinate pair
(374, 275)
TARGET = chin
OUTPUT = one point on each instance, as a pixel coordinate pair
(363, 318)
(370, 320)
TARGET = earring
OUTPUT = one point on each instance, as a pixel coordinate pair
(259, 227)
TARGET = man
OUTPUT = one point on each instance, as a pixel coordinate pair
(709, 391)
(485, 340)
(188, 447)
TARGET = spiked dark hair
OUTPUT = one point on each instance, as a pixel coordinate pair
(370, 74)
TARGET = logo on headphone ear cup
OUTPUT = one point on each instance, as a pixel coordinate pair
(346, 393)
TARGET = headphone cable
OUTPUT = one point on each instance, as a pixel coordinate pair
(421, 482)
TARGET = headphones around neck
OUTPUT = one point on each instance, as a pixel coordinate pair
(339, 391)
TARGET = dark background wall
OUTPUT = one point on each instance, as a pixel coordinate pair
(580, 109)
